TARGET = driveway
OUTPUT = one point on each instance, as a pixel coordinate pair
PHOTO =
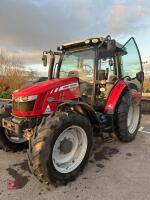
(116, 171)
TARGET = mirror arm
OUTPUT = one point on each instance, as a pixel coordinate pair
(44, 58)
(51, 64)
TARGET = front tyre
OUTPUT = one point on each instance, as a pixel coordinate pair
(62, 147)
(128, 118)
(7, 142)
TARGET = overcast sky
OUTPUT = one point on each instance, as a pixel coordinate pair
(27, 27)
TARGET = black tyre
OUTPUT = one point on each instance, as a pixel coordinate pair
(6, 143)
(61, 148)
(128, 116)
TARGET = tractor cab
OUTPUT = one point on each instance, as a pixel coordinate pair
(98, 63)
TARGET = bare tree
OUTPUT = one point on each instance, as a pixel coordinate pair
(12, 72)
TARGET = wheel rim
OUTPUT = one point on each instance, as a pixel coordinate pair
(69, 149)
(13, 139)
(133, 118)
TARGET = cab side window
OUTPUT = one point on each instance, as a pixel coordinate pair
(107, 66)
(131, 62)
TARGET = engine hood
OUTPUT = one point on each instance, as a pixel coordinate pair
(42, 87)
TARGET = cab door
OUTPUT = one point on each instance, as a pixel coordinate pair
(131, 66)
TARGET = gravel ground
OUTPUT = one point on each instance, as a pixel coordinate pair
(116, 171)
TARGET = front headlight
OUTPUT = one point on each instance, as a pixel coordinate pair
(26, 99)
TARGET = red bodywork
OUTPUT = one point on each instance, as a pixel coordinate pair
(115, 94)
(58, 89)
(63, 89)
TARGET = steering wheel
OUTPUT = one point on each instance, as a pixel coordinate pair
(128, 78)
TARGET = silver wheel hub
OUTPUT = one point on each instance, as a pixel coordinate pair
(66, 146)
(69, 149)
(133, 118)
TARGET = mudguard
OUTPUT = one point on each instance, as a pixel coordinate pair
(116, 92)
(135, 92)
(114, 96)
(82, 108)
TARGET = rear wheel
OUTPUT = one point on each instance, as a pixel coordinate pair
(61, 149)
(7, 142)
(128, 118)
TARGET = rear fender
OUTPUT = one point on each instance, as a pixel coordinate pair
(117, 91)
(83, 109)
(135, 92)
(114, 96)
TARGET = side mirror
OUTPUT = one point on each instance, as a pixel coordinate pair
(140, 76)
(44, 59)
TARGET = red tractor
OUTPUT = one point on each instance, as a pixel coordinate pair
(94, 88)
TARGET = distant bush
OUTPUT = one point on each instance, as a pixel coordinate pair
(12, 74)
(6, 94)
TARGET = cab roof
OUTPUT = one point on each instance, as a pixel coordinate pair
(87, 42)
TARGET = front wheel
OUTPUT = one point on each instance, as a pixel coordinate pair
(61, 149)
(7, 142)
(128, 118)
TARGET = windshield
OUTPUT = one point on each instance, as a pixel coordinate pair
(79, 64)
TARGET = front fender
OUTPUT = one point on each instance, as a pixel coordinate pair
(83, 109)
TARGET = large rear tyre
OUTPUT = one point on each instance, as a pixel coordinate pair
(61, 149)
(8, 143)
(128, 118)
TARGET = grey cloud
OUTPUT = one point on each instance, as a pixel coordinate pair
(36, 25)
(29, 26)
(128, 16)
